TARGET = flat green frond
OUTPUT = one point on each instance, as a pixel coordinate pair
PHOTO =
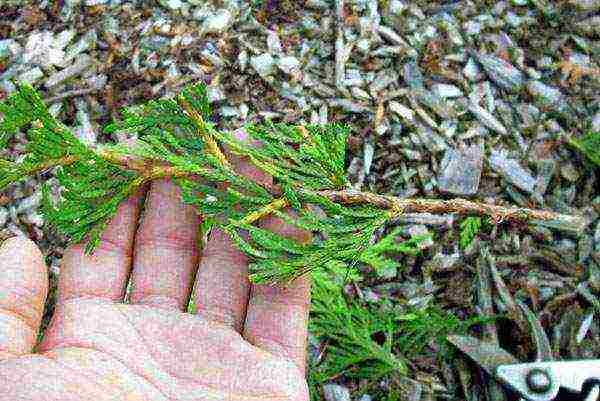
(162, 117)
(197, 97)
(11, 172)
(346, 241)
(308, 156)
(244, 245)
(306, 220)
(50, 143)
(349, 329)
(378, 255)
(239, 197)
(418, 328)
(270, 271)
(25, 107)
(269, 240)
(244, 200)
(211, 202)
(161, 114)
(328, 144)
(20, 109)
(86, 207)
(389, 244)
(292, 197)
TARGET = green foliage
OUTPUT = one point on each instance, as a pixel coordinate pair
(48, 139)
(175, 134)
(311, 156)
(420, 327)
(589, 145)
(279, 259)
(164, 115)
(469, 228)
(375, 255)
(350, 329)
(91, 188)
(84, 211)
(20, 109)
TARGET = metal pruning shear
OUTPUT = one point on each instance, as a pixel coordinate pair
(541, 380)
(535, 381)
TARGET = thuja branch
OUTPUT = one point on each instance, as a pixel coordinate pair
(397, 206)
(306, 162)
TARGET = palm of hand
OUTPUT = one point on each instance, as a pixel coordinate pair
(247, 342)
(98, 350)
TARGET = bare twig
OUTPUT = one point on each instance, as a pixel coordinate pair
(460, 206)
(71, 93)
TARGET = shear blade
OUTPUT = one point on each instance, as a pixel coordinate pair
(487, 355)
(517, 377)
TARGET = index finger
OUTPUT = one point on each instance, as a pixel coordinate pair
(277, 316)
(222, 286)
(104, 273)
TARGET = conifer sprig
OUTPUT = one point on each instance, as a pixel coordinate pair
(349, 329)
(174, 138)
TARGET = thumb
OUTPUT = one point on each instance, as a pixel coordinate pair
(23, 290)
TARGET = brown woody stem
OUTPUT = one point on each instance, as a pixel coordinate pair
(497, 213)
(397, 206)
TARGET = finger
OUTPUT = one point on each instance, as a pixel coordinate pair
(277, 316)
(23, 290)
(222, 286)
(104, 273)
(166, 254)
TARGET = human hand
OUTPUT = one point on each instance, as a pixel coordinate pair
(247, 342)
